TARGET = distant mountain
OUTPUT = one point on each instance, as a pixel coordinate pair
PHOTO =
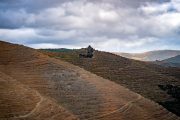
(172, 62)
(151, 55)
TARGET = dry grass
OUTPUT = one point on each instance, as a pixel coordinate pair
(59, 90)
(140, 77)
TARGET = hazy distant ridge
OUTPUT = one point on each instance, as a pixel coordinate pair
(170, 62)
(151, 55)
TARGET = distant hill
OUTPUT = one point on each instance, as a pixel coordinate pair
(170, 62)
(175, 59)
(151, 55)
(58, 50)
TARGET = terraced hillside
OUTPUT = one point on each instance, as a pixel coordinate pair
(140, 77)
(34, 86)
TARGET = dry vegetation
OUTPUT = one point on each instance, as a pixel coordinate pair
(140, 77)
(36, 87)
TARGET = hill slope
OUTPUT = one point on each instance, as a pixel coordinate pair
(151, 55)
(170, 62)
(175, 59)
(173, 62)
(141, 77)
(18, 101)
(81, 94)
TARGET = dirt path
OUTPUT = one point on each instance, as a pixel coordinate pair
(124, 108)
(33, 110)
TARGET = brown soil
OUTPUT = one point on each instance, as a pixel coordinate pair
(18, 102)
(140, 77)
(38, 87)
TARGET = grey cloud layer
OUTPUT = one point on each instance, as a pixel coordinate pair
(112, 26)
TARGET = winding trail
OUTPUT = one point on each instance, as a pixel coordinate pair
(35, 108)
(123, 109)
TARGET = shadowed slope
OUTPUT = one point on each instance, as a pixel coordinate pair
(170, 62)
(140, 77)
(84, 94)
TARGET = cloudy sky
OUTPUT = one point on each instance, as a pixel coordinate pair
(109, 25)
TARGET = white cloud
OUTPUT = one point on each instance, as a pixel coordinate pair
(50, 45)
(155, 9)
(18, 35)
(111, 16)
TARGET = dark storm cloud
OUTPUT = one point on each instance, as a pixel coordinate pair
(36, 5)
(15, 13)
(31, 5)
